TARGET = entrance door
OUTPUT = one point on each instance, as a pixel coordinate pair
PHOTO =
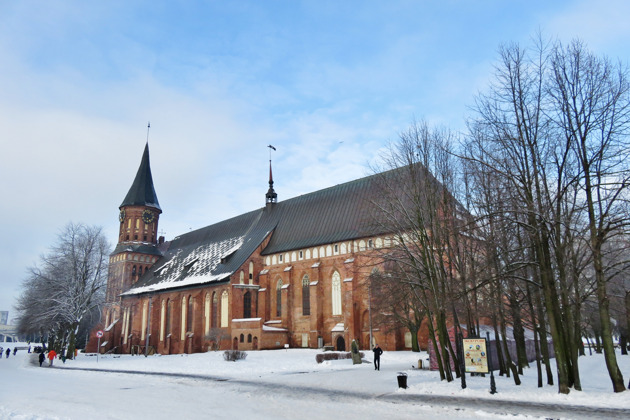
(341, 344)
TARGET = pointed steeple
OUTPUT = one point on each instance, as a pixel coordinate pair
(142, 192)
(271, 194)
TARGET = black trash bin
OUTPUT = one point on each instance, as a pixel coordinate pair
(402, 380)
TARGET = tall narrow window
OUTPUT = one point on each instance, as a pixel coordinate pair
(336, 294)
(145, 310)
(251, 273)
(224, 309)
(279, 298)
(162, 320)
(182, 325)
(206, 310)
(247, 305)
(169, 313)
(215, 310)
(189, 315)
(306, 295)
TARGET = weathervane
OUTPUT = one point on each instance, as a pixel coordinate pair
(148, 127)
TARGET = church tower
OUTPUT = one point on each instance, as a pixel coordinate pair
(137, 248)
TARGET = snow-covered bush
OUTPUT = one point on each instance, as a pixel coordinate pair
(234, 355)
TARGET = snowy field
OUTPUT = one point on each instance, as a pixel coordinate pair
(280, 384)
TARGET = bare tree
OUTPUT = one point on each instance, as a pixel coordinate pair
(425, 252)
(66, 287)
(591, 99)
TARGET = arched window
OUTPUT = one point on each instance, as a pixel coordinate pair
(224, 309)
(215, 310)
(133, 271)
(249, 338)
(169, 313)
(247, 305)
(183, 324)
(162, 320)
(336, 294)
(145, 310)
(189, 315)
(306, 295)
(241, 277)
(279, 298)
(251, 272)
(242, 338)
(206, 312)
(139, 271)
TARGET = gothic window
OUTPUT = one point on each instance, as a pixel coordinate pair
(251, 273)
(162, 320)
(249, 338)
(169, 317)
(336, 294)
(247, 305)
(306, 296)
(279, 298)
(133, 271)
(241, 277)
(206, 310)
(215, 310)
(182, 325)
(145, 309)
(224, 309)
(189, 315)
(139, 271)
(242, 338)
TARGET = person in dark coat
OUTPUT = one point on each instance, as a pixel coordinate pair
(8, 352)
(42, 357)
(14, 351)
(377, 357)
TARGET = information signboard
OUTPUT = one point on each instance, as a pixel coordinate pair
(475, 355)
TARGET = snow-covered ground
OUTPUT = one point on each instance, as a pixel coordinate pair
(282, 384)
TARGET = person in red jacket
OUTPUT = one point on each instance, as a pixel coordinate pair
(51, 355)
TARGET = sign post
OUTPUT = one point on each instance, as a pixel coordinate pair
(99, 334)
(475, 355)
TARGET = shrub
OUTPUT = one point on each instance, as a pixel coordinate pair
(234, 355)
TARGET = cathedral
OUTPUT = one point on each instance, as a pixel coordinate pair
(291, 273)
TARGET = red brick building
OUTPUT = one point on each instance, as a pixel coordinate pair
(290, 273)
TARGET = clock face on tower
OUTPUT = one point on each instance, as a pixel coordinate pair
(148, 216)
(121, 216)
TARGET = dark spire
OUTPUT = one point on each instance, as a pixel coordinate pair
(271, 194)
(142, 192)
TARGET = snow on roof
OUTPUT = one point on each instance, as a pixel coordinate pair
(109, 327)
(245, 319)
(338, 328)
(192, 268)
(268, 328)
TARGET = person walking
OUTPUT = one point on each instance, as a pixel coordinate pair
(377, 357)
(51, 355)
(14, 351)
(42, 357)
(8, 352)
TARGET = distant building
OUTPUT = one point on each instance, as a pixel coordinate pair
(290, 273)
(7, 332)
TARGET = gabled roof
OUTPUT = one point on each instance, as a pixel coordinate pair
(142, 192)
(214, 253)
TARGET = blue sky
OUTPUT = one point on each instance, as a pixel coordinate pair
(328, 83)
